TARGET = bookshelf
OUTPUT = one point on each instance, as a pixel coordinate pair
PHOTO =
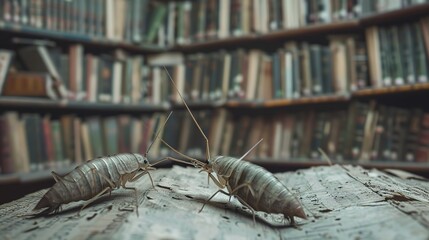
(160, 99)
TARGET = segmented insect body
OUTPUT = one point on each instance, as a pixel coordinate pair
(269, 194)
(93, 179)
(254, 186)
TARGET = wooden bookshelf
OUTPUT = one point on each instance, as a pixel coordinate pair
(395, 16)
(29, 177)
(75, 106)
(253, 40)
(347, 26)
(392, 90)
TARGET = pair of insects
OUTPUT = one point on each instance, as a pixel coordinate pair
(252, 185)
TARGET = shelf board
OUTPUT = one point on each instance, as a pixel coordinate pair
(11, 102)
(97, 42)
(307, 101)
(391, 90)
(398, 15)
(43, 175)
(216, 43)
(312, 30)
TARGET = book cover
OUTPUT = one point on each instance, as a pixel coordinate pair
(29, 84)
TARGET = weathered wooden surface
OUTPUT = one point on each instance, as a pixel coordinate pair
(341, 202)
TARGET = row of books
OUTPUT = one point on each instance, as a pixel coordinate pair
(32, 142)
(119, 20)
(297, 70)
(193, 21)
(363, 132)
(398, 54)
(345, 64)
(171, 22)
(80, 75)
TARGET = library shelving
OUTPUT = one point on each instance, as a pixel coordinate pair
(134, 60)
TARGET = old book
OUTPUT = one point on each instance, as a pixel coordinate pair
(57, 136)
(361, 63)
(92, 77)
(35, 141)
(277, 90)
(68, 134)
(419, 53)
(368, 132)
(158, 14)
(136, 134)
(87, 152)
(386, 57)
(157, 127)
(226, 61)
(110, 135)
(412, 138)
(227, 136)
(212, 16)
(361, 117)
(137, 81)
(379, 134)
(77, 141)
(39, 59)
(254, 136)
(352, 83)
(339, 63)
(316, 69)
(76, 71)
(277, 138)
(400, 133)
(406, 53)
(309, 124)
(6, 148)
(16, 141)
(118, 68)
(292, 47)
(224, 18)
(217, 130)
(236, 19)
(317, 138)
(5, 60)
(105, 79)
(424, 24)
(170, 132)
(422, 149)
(95, 136)
(124, 133)
(148, 123)
(253, 73)
(396, 47)
(49, 141)
(29, 84)
(373, 46)
(306, 84)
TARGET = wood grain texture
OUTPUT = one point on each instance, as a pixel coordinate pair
(342, 202)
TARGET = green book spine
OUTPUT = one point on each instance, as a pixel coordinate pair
(156, 21)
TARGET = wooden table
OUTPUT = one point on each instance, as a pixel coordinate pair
(342, 202)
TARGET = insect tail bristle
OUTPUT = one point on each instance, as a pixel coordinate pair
(43, 203)
(299, 212)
